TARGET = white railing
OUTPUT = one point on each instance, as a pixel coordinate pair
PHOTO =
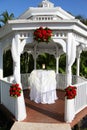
(78, 79)
(61, 80)
(9, 79)
(81, 98)
(25, 80)
(15, 105)
(73, 106)
(6, 100)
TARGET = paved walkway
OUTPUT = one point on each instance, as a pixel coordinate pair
(40, 126)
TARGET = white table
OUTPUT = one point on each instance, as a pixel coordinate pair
(43, 86)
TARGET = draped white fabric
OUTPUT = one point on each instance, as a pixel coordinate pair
(14, 50)
(43, 86)
(16, 59)
(72, 52)
(71, 55)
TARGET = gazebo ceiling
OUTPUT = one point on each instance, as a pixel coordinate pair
(50, 48)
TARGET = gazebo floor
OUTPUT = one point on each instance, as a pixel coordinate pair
(49, 113)
(37, 112)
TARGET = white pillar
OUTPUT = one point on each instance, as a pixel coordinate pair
(68, 75)
(16, 70)
(1, 62)
(68, 66)
(20, 111)
(34, 62)
(78, 66)
(57, 72)
(79, 50)
(57, 65)
(35, 56)
(70, 58)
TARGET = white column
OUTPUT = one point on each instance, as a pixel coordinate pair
(35, 62)
(35, 56)
(57, 72)
(79, 50)
(57, 65)
(1, 62)
(70, 58)
(20, 111)
(68, 66)
(68, 75)
(16, 70)
(78, 66)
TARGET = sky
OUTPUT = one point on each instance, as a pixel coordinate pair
(75, 7)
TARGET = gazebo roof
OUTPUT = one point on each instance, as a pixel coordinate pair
(44, 15)
(46, 8)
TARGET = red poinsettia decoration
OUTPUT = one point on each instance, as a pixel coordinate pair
(42, 34)
(70, 92)
(15, 90)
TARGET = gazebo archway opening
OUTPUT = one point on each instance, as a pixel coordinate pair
(53, 48)
(27, 62)
(7, 63)
(46, 61)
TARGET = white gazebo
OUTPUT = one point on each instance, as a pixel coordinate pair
(69, 37)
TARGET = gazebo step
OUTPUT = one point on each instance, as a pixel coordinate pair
(40, 126)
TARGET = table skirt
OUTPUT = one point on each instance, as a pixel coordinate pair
(44, 98)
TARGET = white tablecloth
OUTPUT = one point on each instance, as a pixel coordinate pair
(43, 86)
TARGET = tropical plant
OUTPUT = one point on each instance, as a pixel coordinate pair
(5, 16)
(48, 60)
(7, 63)
(27, 63)
(82, 19)
(83, 59)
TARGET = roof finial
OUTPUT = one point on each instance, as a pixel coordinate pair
(46, 3)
